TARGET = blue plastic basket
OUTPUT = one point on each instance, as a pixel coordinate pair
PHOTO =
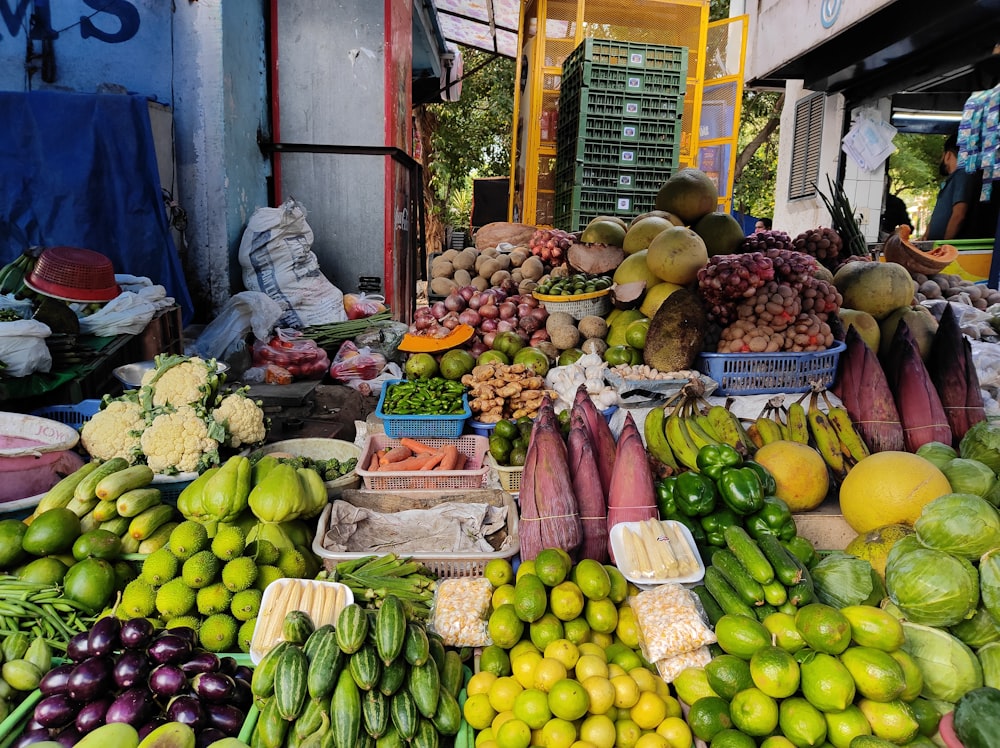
(767, 373)
(71, 415)
(415, 426)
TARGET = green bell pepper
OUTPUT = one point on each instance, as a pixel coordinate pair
(773, 518)
(741, 490)
(712, 458)
(695, 494)
(715, 525)
(692, 524)
(666, 503)
(766, 479)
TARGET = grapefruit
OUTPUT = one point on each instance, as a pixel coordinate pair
(722, 233)
(799, 472)
(889, 488)
(676, 255)
(689, 194)
(635, 268)
(874, 546)
(878, 288)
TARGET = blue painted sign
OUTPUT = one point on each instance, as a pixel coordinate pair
(39, 24)
(829, 11)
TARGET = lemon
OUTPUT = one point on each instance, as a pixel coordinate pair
(777, 741)
(649, 711)
(499, 572)
(651, 740)
(588, 665)
(842, 727)
(525, 645)
(913, 677)
(599, 731)
(676, 732)
(592, 579)
(874, 627)
(775, 672)
(589, 648)
(628, 628)
(513, 734)
(741, 636)
(551, 567)
(480, 682)
(626, 691)
(673, 705)
(478, 712)
(601, 638)
(730, 738)
(568, 699)
(826, 683)
(707, 716)
(577, 630)
(692, 684)
(498, 721)
(565, 651)
(601, 614)
(801, 722)
(531, 706)
(484, 739)
(530, 598)
(619, 584)
(601, 692)
(495, 660)
(892, 721)
(781, 626)
(644, 679)
(627, 733)
(502, 595)
(547, 673)
(823, 627)
(503, 692)
(728, 674)
(615, 670)
(754, 712)
(566, 601)
(523, 668)
(545, 630)
(558, 733)
(876, 674)
(505, 627)
(526, 567)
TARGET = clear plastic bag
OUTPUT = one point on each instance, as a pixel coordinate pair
(669, 622)
(460, 611)
(354, 363)
(361, 305)
(289, 349)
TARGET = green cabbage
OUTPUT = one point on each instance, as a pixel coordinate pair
(937, 453)
(976, 631)
(959, 523)
(842, 579)
(982, 442)
(931, 587)
(989, 658)
(969, 476)
(950, 668)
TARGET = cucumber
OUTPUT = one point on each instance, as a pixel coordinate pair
(117, 525)
(271, 727)
(786, 570)
(110, 487)
(325, 662)
(345, 709)
(416, 645)
(136, 501)
(802, 593)
(448, 717)
(390, 628)
(311, 719)
(60, 495)
(145, 524)
(105, 510)
(375, 711)
(392, 739)
(290, 690)
(352, 628)
(712, 608)
(81, 507)
(435, 646)
(749, 591)
(158, 539)
(725, 595)
(749, 554)
(453, 673)
(763, 611)
(404, 714)
(297, 627)
(803, 549)
(427, 735)
(86, 489)
(262, 681)
(775, 593)
(393, 677)
(424, 685)
(365, 667)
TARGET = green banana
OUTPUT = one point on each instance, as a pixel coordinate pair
(797, 423)
(728, 427)
(698, 435)
(680, 441)
(656, 438)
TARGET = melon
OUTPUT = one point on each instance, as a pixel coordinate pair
(635, 268)
(689, 194)
(676, 255)
(878, 288)
(641, 233)
(721, 233)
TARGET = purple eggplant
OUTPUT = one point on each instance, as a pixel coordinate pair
(242, 694)
(133, 707)
(167, 680)
(213, 686)
(56, 680)
(136, 633)
(90, 679)
(243, 673)
(68, 737)
(201, 661)
(209, 735)
(92, 715)
(225, 717)
(33, 724)
(186, 709)
(103, 638)
(55, 711)
(77, 648)
(169, 648)
(228, 665)
(131, 668)
(30, 737)
(155, 722)
(184, 632)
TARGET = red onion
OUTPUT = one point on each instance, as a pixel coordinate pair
(454, 302)
(540, 313)
(450, 320)
(467, 292)
(488, 338)
(529, 324)
(470, 317)
(478, 349)
(438, 309)
(508, 310)
(475, 300)
(422, 323)
(539, 336)
(523, 310)
(487, 325)
(530, 300)
(505, 325)
(489, 311)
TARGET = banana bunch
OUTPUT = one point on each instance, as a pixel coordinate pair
(12, 274)
(674, 438)
(372, 577)
(778, 423)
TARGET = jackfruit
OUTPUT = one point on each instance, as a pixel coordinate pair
(187, 539)
(246, 604)
(200, 570)
(292, 563)
(265, 575)
(159, 567)
(214, 599)
(245, 635)
(138, 599)
(218, 633)
(229, 542)
(239, 574)
(262, 551)
(174, 599)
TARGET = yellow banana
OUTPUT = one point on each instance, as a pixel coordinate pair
(850, 440)
(754, 435)
(683, 447)
(798, 426)
(698, 435)
(656, 440)
(727, 426)
(707, 427)
(827, 441)
(769, 430)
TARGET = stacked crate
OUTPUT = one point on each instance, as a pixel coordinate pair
(618, 137)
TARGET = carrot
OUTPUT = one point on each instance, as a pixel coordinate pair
(374, 464)
(415, 446)
(450, 458)
(410, 463)
(460, 463)
(435, 460)
(396, 454)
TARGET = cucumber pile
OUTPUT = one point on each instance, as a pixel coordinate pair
(373, 676)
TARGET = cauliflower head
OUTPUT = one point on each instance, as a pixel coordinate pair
(114, 431)
(179, 442)
(181, 381)
(242, 418)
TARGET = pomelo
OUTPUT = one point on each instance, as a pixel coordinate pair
(635, 268)
(874, 546)
(689, 194)
(799, 472)
(641, 233)
(676, 255)
(603, 232)
(878, 288)
(656, 296)
(721, 233)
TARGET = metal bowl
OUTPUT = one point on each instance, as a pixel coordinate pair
(130, 375)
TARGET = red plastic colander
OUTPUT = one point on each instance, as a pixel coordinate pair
(74, 274)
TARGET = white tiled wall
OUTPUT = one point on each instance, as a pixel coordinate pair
(864, 188)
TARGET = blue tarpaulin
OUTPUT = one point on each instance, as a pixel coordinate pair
(80, 170)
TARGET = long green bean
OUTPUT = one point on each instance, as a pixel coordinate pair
(333, 334)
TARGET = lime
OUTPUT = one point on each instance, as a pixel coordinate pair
(754, 712)
(601, 615)
(478, 712)
(51, 532)
(577, 630)
(592, 579)
(502, 595)
(826, 683)
(892, 721)
(801, 722)
(500, 448)
(781, 626)
(824, 628)
(513, 734)
(628, 628)
(729, 738)
(545, 630)
(842, 727)
(728, 674)
(912, 675)
(517, 456)
(558, 733)
(11, 535)
(495, 660)
(530, 598)
(531, 706)
(505, 627)
(777, 741)
(876, 674)
(499, 572)
(708, 716)
(926, 714)
(741, 636)
(627, 733)
(551, 567)
(692, 684)
(506, 429)
(775, 672)
(568, 699)
(874, 627)
(598, 730)
(566, 602)
(619, 585)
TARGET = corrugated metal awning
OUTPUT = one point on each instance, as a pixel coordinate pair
(490, 25)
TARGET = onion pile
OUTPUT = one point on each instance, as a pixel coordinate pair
(490, 312)
(551, 245)
(124, 672)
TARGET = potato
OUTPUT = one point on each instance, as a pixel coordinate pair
(488, 268)
(532, 268)
(491, 252)
(518, 255)
(559, 319)
(462, 278)
(480, 283)
(504, 261)
(564, 337)
(497, 279)
(449, 255)
(593, 326)
(526, 286)
(516, 275)
(466, 259)
(443, 286)
(442, 269)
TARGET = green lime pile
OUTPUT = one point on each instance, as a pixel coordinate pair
(509, 441)
(573, 285)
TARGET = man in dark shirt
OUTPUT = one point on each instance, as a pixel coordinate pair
(953, 200)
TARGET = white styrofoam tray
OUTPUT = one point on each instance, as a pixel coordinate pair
(618, 546)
